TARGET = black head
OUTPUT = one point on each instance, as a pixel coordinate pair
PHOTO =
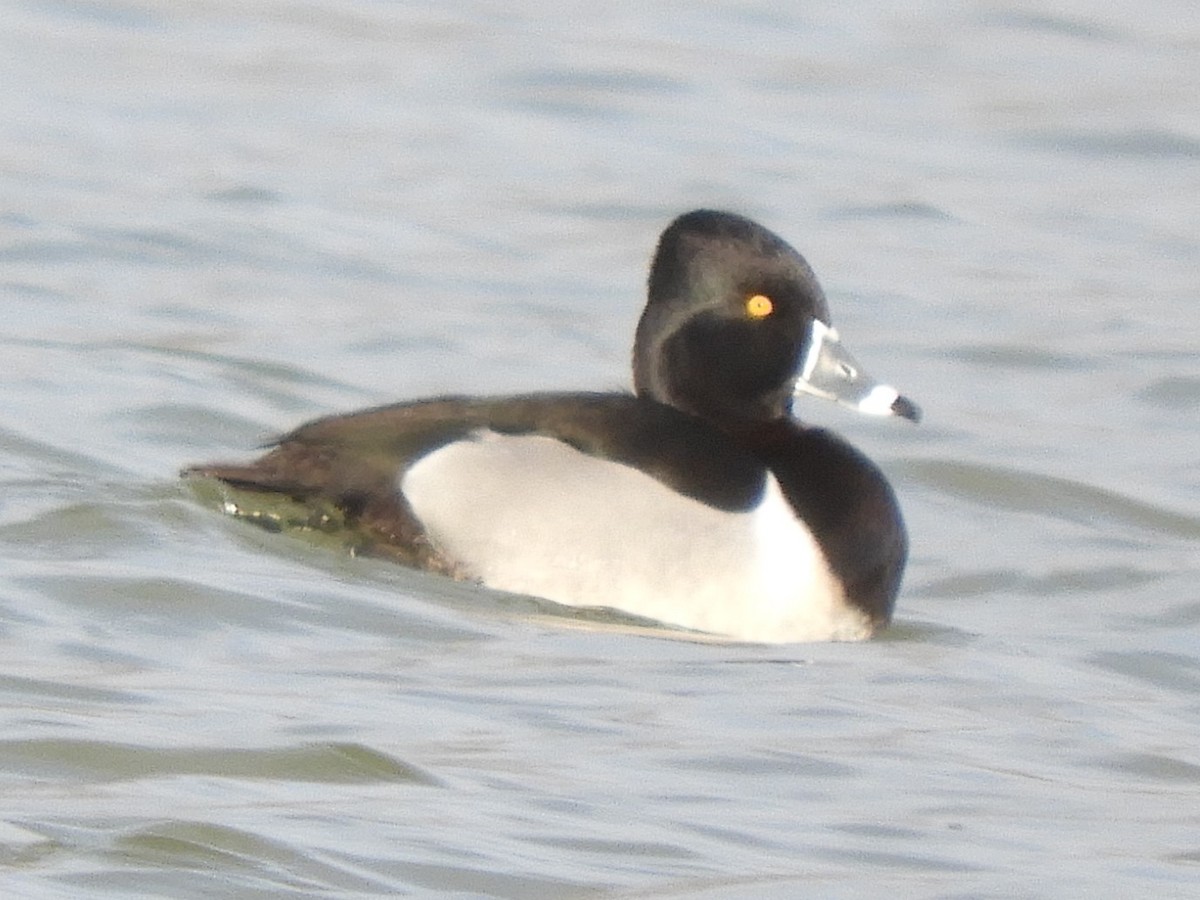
(736, 325)
(727, 319)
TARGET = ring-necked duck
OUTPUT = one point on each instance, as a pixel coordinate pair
(699, 501)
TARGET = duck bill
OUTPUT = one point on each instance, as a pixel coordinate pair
(829, 371)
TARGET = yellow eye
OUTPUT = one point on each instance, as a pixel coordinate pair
(759, 306)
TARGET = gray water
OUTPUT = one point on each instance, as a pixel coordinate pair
(220, 219)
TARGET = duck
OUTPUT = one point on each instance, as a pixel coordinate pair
(698, 501)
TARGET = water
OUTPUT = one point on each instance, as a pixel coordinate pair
(221, 219)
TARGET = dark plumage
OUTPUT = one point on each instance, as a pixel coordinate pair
(734, 319)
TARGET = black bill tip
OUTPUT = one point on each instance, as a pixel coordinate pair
(906, 409)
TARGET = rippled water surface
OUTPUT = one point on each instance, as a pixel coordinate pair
(219, 219)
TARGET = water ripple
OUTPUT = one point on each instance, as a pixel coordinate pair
(1134, 143)
(1168, 671)
(1181, 393)
(1060, 498)
(340, 763)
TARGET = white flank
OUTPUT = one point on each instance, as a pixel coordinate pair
(531, 515)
